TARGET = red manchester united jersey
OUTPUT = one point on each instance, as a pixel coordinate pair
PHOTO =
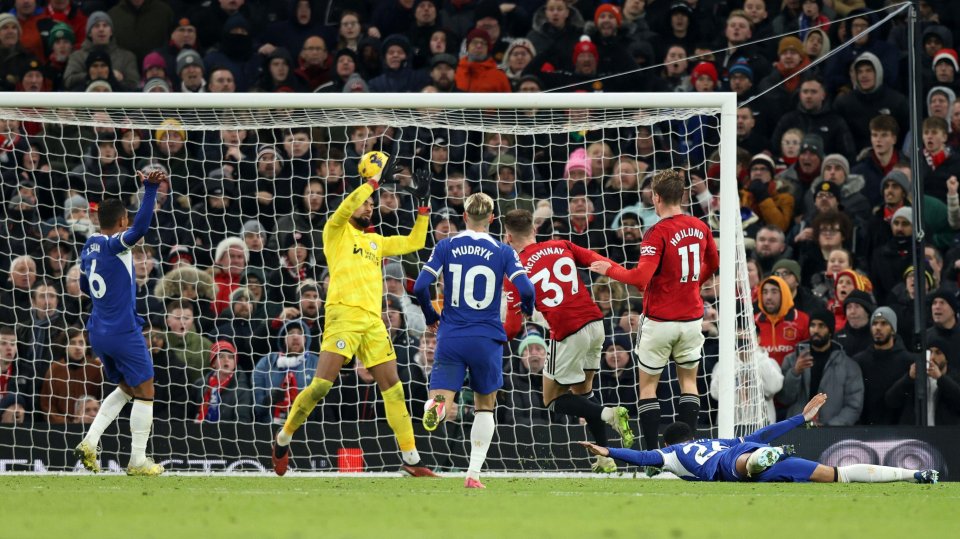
(562, 298)
(684, 254)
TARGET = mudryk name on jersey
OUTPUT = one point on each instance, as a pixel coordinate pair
(476, 250)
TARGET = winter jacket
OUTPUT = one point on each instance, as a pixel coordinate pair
(859, 107)
(873, 174)
(780, 332)
(774, 205)
(142, 29)
(771, 382)
(854, 340)
(236, 398)
(824, 122)
(121, 60)
(887, 266)
(402, 79)
(852, 201)
(558, 43)
(269, 377)
(481, 77)
(192, 349)
(842, 381)
(900, 399)
(837, 72)
(881, 369)
(63, 386)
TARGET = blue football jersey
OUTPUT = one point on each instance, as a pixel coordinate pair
(695, 461)
(109, 280)
(473, 265)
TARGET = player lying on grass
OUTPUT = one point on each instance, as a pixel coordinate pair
(576, 330)
(115, 329)
(353, 324)
(471, 335)
(751, 458)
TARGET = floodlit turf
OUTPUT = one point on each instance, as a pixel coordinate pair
(183, 507)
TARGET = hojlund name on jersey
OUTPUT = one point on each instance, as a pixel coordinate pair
(686, 233)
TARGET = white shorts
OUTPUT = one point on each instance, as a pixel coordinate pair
(659, 341)
(579, 352)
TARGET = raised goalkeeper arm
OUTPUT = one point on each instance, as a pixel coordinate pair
(416, 240)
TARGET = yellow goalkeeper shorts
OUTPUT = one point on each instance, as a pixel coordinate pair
(350, 331)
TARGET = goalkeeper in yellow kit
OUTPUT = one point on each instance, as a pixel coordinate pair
(353, 323)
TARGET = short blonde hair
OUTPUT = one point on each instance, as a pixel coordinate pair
(479, 206)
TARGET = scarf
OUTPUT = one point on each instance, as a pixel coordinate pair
(806, 24)
(936, 159)
(210, 409)
(5, 378)
(888, 212)
(885, 169)
(291, 391)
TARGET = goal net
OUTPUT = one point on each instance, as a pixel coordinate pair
(236, 256)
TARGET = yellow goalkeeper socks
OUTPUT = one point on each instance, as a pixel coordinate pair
(398, 417)
(303, 405)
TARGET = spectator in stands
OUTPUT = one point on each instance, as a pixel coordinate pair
(85, 410)
(278, 75)
(771, 199)
(419, 33)
(280, 375)
(99, 33)
(395, 284)
(623, 242)
(64, 11)
(838, 68)
(196, 287)
(816, 44)
(477, 71)
(771, 376)
(16, 295)
(749, 136)
(829, 231)
(892, 258)
(882, 365)
(814, 115)
(503, 171)
(172, 152)
(780, 325)
(902, 302)
(221, 81)
(230, 260)
(943, 390)
(398, 75)
(13, 57)
(36, 334)
(895, 189)
(771, 246)
(187, 345)
(58, 256)
(191, 71)
(443, 72)
(142, 25)
(223, 393)
(823, 368)
(76, 305)
(937, 160)
(874, 164)
(27, 14)
(803, 298)
(404, 341)
(9, 362)
(211, 18)
(73, 374)
(516, 59)
(858, 307)
(944, 307)
(296, 266)
(182, 36)
(675, 69)
(945, 67)
(235, 51)
(782, 81)
(314, 62)
(808, 160)
(846, 282)
(555, 28)
(617, 382)
(526, 380)
(296, 25)
(238, 325)
(307, 310)
(870, 97)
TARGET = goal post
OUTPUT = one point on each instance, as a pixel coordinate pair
(542, 129)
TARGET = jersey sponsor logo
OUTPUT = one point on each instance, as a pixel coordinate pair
(784, 348)
(341, 344)
(357, 250)
(648, 250)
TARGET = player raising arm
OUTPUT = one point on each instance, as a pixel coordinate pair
(115, 328)
(471, 336)
(576, 330)
(677, 254)
(353, 324)
(751, 458)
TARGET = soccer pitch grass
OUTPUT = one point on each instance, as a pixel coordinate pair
(207, 507)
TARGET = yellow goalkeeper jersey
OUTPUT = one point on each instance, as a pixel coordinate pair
(355, 257)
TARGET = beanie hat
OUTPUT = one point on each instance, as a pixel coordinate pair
(906, 212)
(791, 43)
(836, 159)
(790, 265)
(864, 299)
(479, 33)
(766, 160)
(704, 68)
(604, 8)
(899, 177)
(6, 18)
(226, 243)
(98, 16)
(221, 346)
(742, 66)
(76, 202)
(812, 143)
(949, 297)
(60, 30)
(188, 57)
(886, 313)
(155, 83)
(170, 124)
(828, 187)
(949, 55)
(355, 83)
(98, 54)
(927, 274)
(152, 60)
(578, 160)
(585, 45)
(99, 84)
(532, 337)
(825, 316)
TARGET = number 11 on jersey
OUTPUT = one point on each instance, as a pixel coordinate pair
(689, 256)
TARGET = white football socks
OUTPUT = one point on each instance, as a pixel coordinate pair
(110, 408)
(481, 435)
(141, 419)
(870, 473)
(608, 415)
(283, 439)
(410, 457)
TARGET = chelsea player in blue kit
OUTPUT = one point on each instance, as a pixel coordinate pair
(471, 334)
(751, 458)
(115, 329)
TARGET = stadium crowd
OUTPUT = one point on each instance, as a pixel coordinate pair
(232, 281)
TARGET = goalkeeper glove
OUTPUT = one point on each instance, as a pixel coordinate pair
(389, 174)
(420, 187)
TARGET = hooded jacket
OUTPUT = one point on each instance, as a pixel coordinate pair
(859, 107)
(881, 369)
(824, 122)
(402, 79)
(284, 372)
(841, 380)
(481, 77)
(121, 60)
(556, 43)
(779, 332)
